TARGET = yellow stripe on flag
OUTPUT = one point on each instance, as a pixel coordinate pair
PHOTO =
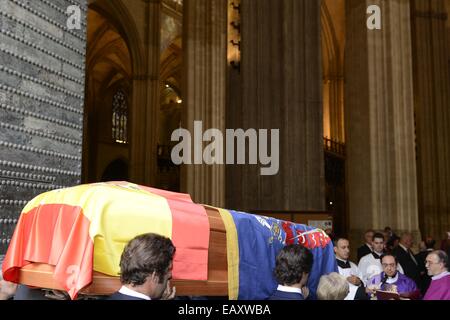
(232, 253)
(115, 217)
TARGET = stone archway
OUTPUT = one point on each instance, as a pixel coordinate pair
(170, 113)
(108, 72)
(333, 40)
(118, 14)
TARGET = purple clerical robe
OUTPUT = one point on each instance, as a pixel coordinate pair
(439, 288)
(404, 284)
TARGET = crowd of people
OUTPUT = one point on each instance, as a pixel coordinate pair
(386, 268)
(386, 263)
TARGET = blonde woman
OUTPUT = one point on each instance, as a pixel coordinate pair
(332, 286)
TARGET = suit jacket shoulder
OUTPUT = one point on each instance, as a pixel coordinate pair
(362, 251)
(398, 251)
(409, 267)
(281, 295)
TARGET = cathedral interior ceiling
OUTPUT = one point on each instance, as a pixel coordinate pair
(171, 29)
(108, 58)
(171, 60)
(333, 36)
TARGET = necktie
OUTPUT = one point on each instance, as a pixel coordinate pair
(375, 256)
(412, 256)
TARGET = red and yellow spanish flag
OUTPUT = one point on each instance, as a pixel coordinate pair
(86, 227)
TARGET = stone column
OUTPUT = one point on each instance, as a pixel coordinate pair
(205, 59)
(281, 74)
(432, 101)
(379, 120)
(144, 114)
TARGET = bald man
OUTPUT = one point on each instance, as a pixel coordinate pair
(437, 267)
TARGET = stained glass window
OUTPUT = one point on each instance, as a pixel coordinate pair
(119, 117)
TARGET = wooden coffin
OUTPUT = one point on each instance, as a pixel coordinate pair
(40, 275)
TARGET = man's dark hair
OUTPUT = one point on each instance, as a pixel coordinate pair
(442, 256)
(337, 239)
(144, 255)
(291, 262)
(429, 243)
(378, 235)
(388, 255)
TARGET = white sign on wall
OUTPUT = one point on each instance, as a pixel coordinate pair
(321, 224)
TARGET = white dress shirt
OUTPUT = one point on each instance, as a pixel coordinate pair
(289, 289)
(129, 292)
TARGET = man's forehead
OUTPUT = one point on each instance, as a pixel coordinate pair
(343, 242)
(388, 259)
(432, 257)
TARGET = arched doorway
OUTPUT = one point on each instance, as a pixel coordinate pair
(108, 96)
(170, 114)
(117, 170)
(138, 32)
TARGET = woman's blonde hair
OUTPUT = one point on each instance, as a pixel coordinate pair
(332, 286)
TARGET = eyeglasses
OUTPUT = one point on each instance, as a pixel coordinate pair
(431, 262)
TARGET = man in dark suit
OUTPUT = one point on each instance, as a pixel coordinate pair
(445, 244)
(406, 258)
(146, 268)
(425, 279)
(292, 268)
(366, 248)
